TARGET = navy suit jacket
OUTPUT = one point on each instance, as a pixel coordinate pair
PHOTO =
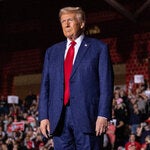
(91, 85)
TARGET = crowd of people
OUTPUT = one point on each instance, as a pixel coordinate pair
(19, 126)
(128, 129)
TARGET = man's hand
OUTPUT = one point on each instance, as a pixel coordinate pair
(45, 127)
(101, 125)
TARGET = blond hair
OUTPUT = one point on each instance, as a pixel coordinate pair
(77, 10)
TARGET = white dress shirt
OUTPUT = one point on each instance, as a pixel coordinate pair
(78, 43)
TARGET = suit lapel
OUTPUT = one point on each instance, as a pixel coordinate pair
(81, 52)
(61, 54)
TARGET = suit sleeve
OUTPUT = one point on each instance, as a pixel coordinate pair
(106, 79)
(44, 92)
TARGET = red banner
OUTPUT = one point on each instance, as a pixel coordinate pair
(17, 126)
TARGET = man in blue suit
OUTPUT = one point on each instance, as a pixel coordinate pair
(79, 123)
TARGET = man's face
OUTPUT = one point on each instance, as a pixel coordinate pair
(71, 26)
(132, 138)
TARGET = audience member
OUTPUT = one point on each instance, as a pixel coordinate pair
(29, 99)
(134, 118)
(146, 144)
(132, 144)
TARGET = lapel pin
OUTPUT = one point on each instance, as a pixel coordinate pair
(85, 45)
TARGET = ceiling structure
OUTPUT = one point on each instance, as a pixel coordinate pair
(125, 12)
(20, 20)
(27, 9)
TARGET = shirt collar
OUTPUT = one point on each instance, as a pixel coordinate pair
(78, 40)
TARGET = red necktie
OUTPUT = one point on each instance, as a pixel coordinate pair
(67, 71)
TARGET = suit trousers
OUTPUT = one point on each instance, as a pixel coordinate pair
(71, 138)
